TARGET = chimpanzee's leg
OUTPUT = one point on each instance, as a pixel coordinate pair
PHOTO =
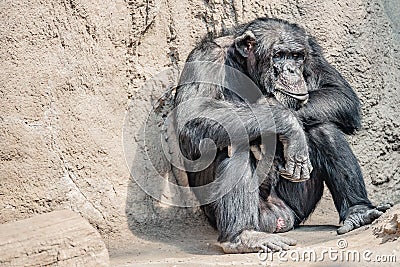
(236, 210)
(237, 199)
(338, 166)
(301, 197)
(333, 162)
(333, 159)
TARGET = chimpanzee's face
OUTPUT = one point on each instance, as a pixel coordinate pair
(283, 61)
(275, 60)
(287, 75)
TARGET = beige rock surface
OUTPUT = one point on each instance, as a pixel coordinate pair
(71, 69)
(58, 238)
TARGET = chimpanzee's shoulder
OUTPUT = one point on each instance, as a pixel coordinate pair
(211, 48)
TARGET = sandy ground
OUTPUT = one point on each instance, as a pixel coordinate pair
(318, 245)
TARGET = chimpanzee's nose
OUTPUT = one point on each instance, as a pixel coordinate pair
(289, 68)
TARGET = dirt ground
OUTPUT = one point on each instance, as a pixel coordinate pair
(318, 245)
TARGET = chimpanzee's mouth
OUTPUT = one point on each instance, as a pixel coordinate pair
(301, 97)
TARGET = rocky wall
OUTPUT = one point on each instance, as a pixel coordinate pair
(71, 69)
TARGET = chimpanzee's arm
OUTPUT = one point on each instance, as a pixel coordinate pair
(331, 98)
(219, 120)
(237, 123)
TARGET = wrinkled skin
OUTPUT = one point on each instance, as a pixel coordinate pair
(361, 215)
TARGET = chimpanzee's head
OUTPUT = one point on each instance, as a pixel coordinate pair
(276, 55)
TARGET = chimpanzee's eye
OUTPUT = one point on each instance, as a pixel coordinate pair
(298, 56)
(278, 56)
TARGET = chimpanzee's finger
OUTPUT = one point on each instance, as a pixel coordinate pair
(305, 175)
(289, 168)
(297, 171)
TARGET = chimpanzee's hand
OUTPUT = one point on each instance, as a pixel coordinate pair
(360, 215)
(298, 165)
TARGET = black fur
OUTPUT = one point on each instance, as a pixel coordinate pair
(316, 129)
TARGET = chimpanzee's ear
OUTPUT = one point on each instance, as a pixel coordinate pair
(244, 44)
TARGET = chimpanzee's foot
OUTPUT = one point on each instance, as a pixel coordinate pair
(360, 215)
(253, 241)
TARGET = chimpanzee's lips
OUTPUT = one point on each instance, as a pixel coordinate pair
(301, 97)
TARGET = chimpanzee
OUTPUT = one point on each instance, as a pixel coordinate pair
(308, 108)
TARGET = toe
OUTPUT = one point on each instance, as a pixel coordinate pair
(288, 241)
(347, 227)
(273, 246)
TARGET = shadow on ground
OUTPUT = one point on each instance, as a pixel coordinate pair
(151, 191)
